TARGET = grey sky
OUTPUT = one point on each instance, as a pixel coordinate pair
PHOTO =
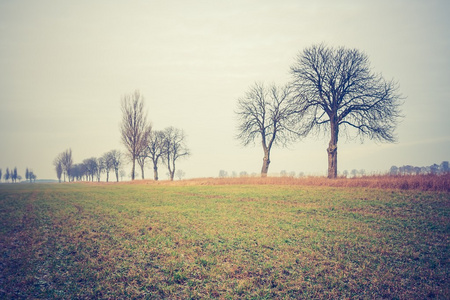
(65, 65)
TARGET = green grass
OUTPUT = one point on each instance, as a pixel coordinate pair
(228, 242)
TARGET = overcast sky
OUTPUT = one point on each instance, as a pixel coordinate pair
(64, 66)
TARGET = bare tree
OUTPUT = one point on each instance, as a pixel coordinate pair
(91, 165)
(66, 162)
(7, 175)
(337, 90)
(174, 148)
(155, 149)
(142, 157)
(266, 115)
(180, 174)
(14, 175)
(78, 171)
(134, 127)
(58, 167)
(223, 174)
(100, 167)
(0, 174)
(108, 163)
(29, 175)
(116, 158)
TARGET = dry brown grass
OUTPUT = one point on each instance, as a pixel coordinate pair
(413, 182)
(438, 183)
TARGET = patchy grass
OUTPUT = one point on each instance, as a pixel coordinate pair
(222, 241)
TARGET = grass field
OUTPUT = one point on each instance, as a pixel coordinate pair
(222, 241)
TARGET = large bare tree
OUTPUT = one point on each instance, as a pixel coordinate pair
(267, 115)
(134, 128)
(337, 90)
(174, 148)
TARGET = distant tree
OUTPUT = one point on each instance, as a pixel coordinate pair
(408, 169)
(174, 148)
(223, 174)
(91, 167)
(7, 175)
(108, 163)
(134, 128)
(393, 171)
(141, 158)
(243, 174)
(156, 149)
(122, 174)
(301, 174)
(100, 167)
(77, 172)
(180, 174)
(266, 115)
(0, 174)
(66, 163)
(58, 167)
(424, 170)
(444, 167)
(354, 172)
(14, 175)
(337, 90)
(434, 169)
(29, 175)
(116, 159)
(283, 173)
(362, 172)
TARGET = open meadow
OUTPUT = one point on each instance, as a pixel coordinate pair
(237, 240)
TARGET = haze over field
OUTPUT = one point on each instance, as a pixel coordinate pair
(65, 66)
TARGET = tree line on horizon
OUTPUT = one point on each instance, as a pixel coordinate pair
(89, 169)
(434, 169)
(15, 177)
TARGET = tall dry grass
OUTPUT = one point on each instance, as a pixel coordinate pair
(410, 182)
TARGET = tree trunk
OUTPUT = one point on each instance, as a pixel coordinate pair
(155, 172)
(133, 168)
(117, 174)
(332, 151)
(142, 171)
(266, 163)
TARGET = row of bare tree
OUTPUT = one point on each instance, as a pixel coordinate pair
(14, 176)
(143, 143)
(332, 90)
(10, 175)
(90, 168)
